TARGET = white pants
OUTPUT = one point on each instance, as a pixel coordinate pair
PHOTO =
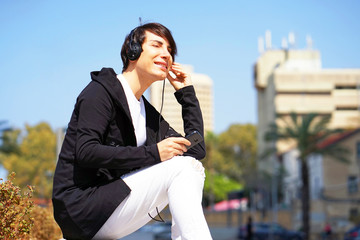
(178, 182)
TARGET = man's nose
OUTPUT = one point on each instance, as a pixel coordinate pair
(165, 53)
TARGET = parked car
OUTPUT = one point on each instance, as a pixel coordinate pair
(165, 235)
(163, 231)
(159, 230)
(353, 233)
(263, 231)
(156, 227)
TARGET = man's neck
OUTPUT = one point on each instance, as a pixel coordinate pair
(137, 83)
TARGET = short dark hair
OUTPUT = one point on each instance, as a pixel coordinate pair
(139, 37)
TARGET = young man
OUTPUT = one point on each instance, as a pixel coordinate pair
(121, 162)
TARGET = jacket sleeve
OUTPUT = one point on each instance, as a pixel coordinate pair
(192, 117)
(95, 109)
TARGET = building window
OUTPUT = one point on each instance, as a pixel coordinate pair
(316, 188)
(346, 108)
(352, 184)
(345, 87)
(353, 213)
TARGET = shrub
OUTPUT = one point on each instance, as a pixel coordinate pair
(21, 218)
(15, 210)
(44, 226)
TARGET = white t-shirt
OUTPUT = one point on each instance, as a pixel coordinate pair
(137, 111)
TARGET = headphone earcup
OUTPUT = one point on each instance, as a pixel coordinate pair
(134, 51)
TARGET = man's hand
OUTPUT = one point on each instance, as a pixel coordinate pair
(171, 147)
(179, 78)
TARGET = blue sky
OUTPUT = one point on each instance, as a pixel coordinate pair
(48, 48)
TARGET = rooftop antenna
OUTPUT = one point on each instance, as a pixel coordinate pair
(268, 39)
(140, 21)
(309, 42)
(291, 39)
(261, 45)
(284, 43)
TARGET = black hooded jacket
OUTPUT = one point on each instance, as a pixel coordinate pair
(100, 147)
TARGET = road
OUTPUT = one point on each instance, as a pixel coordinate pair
(218, 233)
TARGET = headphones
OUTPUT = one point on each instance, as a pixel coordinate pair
(134, 48)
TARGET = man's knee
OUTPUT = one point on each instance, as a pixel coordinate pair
(197, 165)
(187, 164)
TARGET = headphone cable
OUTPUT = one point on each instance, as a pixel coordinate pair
(158, 139)
(161, 108)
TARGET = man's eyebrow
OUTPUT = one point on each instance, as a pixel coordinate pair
(157, 41)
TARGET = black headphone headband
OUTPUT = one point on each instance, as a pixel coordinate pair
(134, 48)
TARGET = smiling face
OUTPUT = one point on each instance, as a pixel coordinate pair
(155, 60)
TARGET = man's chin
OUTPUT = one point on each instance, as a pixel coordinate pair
(161, 79)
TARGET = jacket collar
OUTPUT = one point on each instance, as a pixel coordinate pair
(108, 79)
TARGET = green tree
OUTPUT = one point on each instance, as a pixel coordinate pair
(230, 157)
(212, 156)
(217, 184)
(306, 131)
(221, 186)
(34, 163)
(238, 147)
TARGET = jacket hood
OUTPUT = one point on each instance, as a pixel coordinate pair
(108, 79)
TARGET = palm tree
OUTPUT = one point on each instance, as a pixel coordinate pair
(307, 131)
(3, 128)
(8, 139)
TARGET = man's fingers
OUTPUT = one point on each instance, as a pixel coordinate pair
(183, 142)
(171, 147)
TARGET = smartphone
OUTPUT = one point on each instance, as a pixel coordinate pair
(195, 138)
